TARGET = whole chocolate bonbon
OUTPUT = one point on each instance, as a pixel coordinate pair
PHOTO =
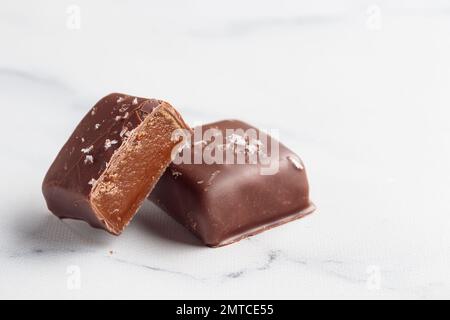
(222, 203)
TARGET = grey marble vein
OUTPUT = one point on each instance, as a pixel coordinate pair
(34, 77)
(156, 269)
(271, 257)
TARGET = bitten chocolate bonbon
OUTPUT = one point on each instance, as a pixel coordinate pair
(222, 203)
(112, 161)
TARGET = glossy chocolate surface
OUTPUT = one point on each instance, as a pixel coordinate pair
(85, 158)
(223, 203)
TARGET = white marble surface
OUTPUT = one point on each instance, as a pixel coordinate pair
(361, 92)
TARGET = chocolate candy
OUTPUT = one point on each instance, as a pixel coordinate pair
(222, 202)
(112, 161)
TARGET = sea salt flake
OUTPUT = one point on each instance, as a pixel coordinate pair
(97, 126)
(251, 148)
(254, 146)
(92, 182)
(83, 140)
(124, 108)
(89, 159)
(296, 162)
(135, 101)
(87, 150)
(121, 99)
(213, 176)
(110, 143)
(123, 132)
(237, 139)
(200, 182)
(93, 112)
(125, 116)
(176, 174)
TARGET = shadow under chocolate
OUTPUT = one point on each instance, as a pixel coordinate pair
(40, 232)
(152, 220)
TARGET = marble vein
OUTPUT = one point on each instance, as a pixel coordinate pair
(35, 78)
(157, 269)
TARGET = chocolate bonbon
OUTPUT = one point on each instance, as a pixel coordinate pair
(112, 161)
(223, 202)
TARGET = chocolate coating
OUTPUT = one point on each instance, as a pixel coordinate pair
(224, 203)
(112, 161)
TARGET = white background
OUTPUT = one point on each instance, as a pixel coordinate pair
(360, 89)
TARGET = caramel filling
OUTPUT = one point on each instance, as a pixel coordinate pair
(135, 169)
